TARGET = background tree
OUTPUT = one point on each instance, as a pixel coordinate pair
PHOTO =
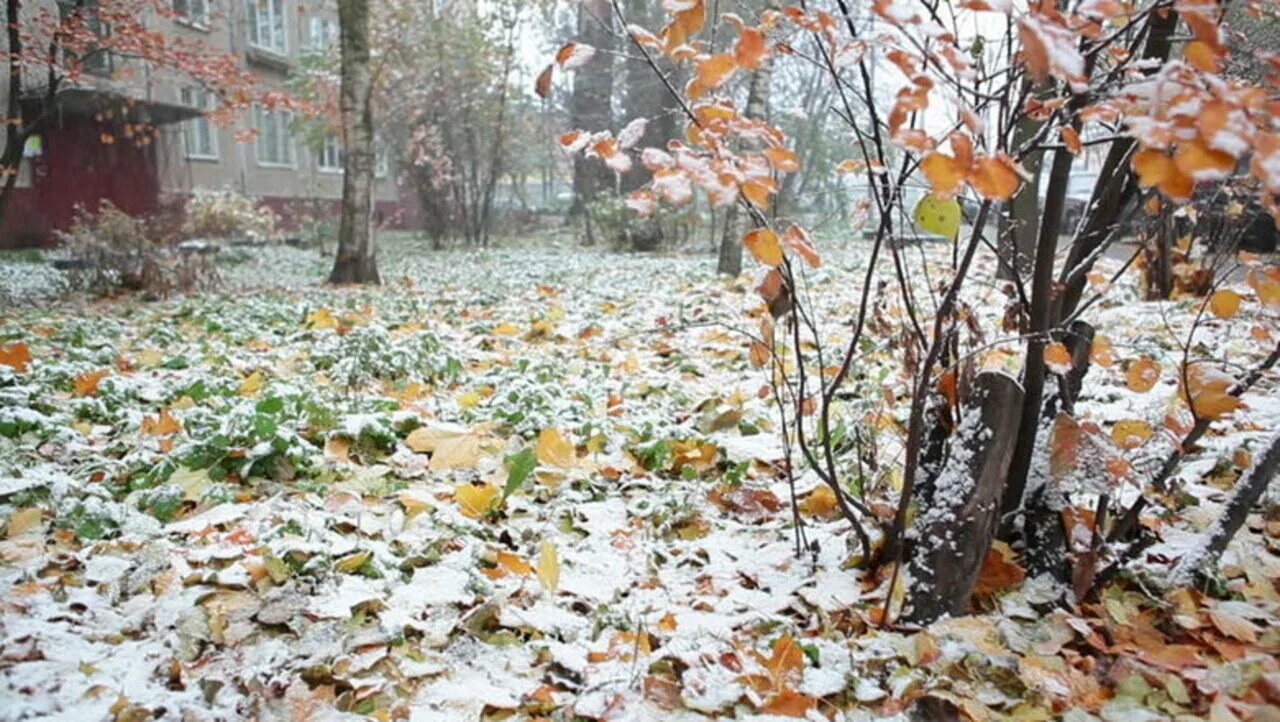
(357, 260)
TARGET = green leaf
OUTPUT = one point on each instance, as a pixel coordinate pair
(519, 466)
(938, 216)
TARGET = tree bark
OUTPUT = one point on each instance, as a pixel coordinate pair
(15, 137)
(357, 260)
(958, 520)
(1248, 492)
(1018, 224)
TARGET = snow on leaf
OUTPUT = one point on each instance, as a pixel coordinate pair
(572, 56)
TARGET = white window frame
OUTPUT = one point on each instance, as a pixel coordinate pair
(282, 125)
(322, 33)
(192, 129)
(275, 27)
(192, 12)
(381, 160)
(329, 156)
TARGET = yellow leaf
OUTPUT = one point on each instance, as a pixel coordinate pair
(322, 318)
(514, 563)
(938, 216)
(450, 446)
(1142, 375)
(1224, 303)
(351, 563)
(1131, 433)
(549, 566)
(252, 384)
(475, 500)
(764, 246)
(553, 449)
(821, 502)
(469, 400)
(23, 521)
(506, 328)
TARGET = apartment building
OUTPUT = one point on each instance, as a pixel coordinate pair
(141, 136)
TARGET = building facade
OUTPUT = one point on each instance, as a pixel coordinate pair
(142, 137)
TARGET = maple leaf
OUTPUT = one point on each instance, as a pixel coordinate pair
(86, 384)
(16, 356)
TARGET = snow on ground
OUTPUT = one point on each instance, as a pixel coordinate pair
(284, 501)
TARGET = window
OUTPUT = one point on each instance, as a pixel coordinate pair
(195, 12)
(329, 157)
(266, 25)
(93, 58)
(274, 144)
(322, 33)
(199, 135)
(381, 160)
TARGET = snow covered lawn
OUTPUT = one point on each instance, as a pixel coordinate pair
(538, 484)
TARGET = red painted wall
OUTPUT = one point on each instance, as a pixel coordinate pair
(77, 168)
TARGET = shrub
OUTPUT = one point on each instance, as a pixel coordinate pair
(112, 251)
(224, 213)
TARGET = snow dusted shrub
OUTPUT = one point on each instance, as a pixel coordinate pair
(372, 353)
(224, 213)
(112, 251)
(529, 397)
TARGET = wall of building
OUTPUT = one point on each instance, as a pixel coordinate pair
(49, 188)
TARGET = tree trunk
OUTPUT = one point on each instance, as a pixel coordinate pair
(14, 137)
(1248, 492)
(645, 96)
(735, 220)
(959, 518)
(357, 260)
(590, 108)
(1019, 222)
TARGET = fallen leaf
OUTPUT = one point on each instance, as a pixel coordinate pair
(554, 449)
(549, 566)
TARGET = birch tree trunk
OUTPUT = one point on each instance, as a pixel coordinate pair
(357, 260)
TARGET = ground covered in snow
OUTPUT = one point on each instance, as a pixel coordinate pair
(539, 484)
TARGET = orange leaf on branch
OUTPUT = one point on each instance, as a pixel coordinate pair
(798, 240)
(751, 50)
(764, 246)
(945, 174)
(783, 160)
(995, 177)
(712, 71)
